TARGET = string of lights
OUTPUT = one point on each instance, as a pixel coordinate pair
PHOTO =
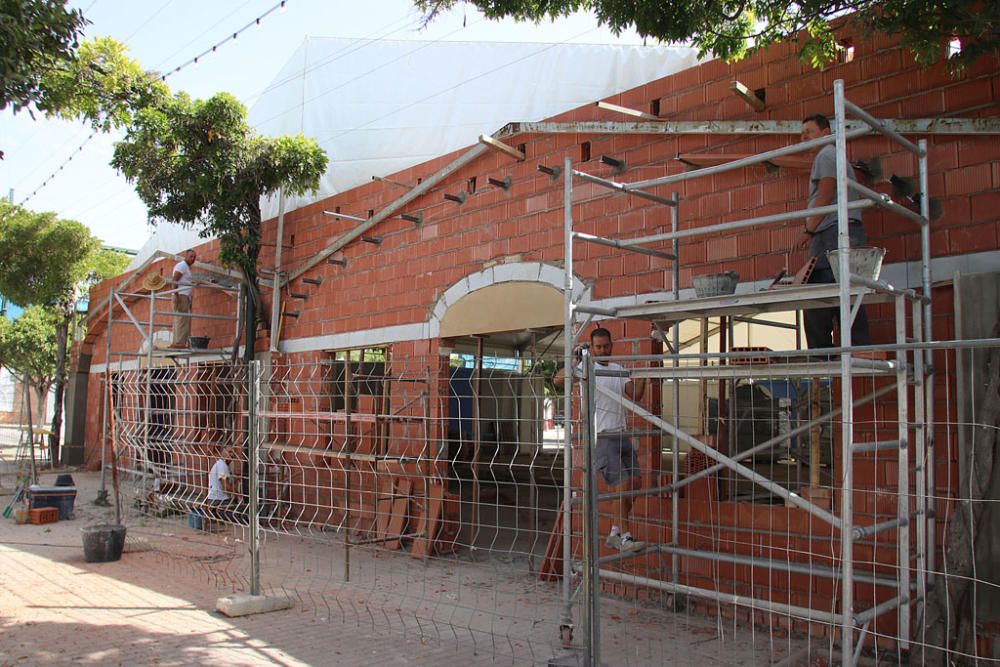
(254, 24)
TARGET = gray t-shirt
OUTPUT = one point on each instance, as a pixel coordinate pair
(825, 166)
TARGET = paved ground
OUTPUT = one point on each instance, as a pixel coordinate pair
(156, 606)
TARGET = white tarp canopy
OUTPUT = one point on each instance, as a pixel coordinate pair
(379, 106)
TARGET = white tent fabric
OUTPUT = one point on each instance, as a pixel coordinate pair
(379, 106)
(168, 237)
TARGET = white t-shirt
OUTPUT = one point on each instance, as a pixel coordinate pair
(219, 472)
(185, 281)
(610, 413)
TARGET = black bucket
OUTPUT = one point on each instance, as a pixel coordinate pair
(64, 480)
(103, 543)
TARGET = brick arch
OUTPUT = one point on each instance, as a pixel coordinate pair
(528, 273)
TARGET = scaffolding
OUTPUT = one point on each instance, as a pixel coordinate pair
(124, 308)
(907, 364)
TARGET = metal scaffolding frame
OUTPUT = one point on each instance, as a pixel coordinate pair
(149, 353)
(911, 367)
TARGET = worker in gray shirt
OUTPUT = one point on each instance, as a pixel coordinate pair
(822, 230)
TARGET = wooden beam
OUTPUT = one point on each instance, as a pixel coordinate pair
(607, 106)
(487, 140)
(390, 210)
(748, 96)
(389, 181)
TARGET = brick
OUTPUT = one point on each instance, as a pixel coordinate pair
(967, 95)
(975, 178)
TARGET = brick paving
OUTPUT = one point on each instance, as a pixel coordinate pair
(156, 607)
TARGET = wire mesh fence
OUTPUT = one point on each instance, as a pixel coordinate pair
(423, 494)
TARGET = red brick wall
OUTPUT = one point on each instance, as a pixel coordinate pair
(400, 281)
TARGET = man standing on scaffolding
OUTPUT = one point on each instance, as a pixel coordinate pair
(822, 234)
(615, 455)
(182, 299)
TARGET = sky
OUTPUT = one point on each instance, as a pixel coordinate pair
(53, 165)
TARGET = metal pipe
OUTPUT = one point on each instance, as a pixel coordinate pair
(861, 532)
(753, 476)
(884, 201)
(846, 386)
(614, 185)
(276, 291)
(876, 446)
(743, 162)
(797, 214)
(879, 609)
(971, 343)
(567, 545)
(728, 598)
(927, 461)
(675, 469)
(253, 434)
(882, 128)
(882, 286)
(200, 316)
(599, 240)
(902, 472)
(591, 581)
(593, 310)
(861, 642)
(102, 492)
(768, 563)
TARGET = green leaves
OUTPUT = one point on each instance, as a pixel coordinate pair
(37, 36)
(199, 162)
(28, 345)
(101, 85)
(728, 29)
(42, 258)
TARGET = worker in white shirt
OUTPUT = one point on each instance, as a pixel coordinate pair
(182, 299)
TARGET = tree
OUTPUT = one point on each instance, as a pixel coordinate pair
(28, 351)
(728, 28)
(199, 162)
(49, 262)
(100, 85)
(37, 36)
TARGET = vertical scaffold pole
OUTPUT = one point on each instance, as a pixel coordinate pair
(903, 476)
(846, 402)
(675, 466)
(567, 549)
(102, 492)
(591, 551)
(926, 461)
(253, 450)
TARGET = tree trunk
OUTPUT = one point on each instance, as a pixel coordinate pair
(62, 340)
(31, 429)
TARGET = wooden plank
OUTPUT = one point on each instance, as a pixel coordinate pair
(551, 568)
(429, 522)
(608, 106)
(496, 144)
(747, 95)
(400, 513)
(383, 507)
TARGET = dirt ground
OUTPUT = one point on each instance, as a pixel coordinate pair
(366, 606)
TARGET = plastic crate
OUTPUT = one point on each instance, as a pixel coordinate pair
(43, 515)
(63, 498)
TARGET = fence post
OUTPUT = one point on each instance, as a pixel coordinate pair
(591, 550)
(253, 446)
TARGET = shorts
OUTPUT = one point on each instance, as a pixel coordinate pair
(616, 458)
